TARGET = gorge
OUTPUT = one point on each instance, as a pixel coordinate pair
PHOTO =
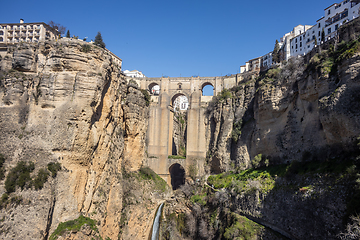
(280, 149)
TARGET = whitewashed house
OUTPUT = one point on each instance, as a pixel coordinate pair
(134, 74)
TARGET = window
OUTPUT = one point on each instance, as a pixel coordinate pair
(1, 33)
(296, 40)
(329, 30)
(319, 25)
(296, 46)
(319, 33)
(300, 38)
(329, 12)
(300, 44)
(336, 27)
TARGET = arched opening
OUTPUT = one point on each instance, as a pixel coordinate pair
(154, 89)
(178, 130)
(207, 89)
(177, 174)
(179, 102)
(1, 39)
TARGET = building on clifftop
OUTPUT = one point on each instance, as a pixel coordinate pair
(26, 32)
(134, 74)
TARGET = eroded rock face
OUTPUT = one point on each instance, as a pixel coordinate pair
(59, 104)
(293, 114)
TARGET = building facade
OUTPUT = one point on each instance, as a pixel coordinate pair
(26, 32)
(335, 16)
(303, 38)
(134, 74)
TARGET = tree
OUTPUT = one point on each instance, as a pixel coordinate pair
(68, 34)
(316, 43)
(99, 41)
(276, 52)
(60, 28)
(323, 35)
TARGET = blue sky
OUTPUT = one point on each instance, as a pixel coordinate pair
(175, 38)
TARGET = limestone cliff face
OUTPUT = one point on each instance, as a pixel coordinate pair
(61, 102)
(295, 112)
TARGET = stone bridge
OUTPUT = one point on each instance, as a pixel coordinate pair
(164, 91)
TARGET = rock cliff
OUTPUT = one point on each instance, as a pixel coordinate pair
(302, 110)
(67, 102)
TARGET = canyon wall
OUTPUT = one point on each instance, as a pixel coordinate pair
(67, 102)
(300, 111)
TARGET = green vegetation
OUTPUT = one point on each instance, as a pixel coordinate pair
(276, 52)
(74, 225)
(259, 160)
(147, 96)
(242, 228)
(176, 157)
(54, 168)
(192, 171)
(199, 198)
(224, 94)
(68, 34)
(2, 169)
(40, 179)
(19, 176)
(236, 132)
(241, 181)
(99, 41)
(145, 173)
(328, 60)
(85, 48)
(6, 200)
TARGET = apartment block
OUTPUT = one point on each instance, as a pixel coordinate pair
(303, 38)
(26, 32)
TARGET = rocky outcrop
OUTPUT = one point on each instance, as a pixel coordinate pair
(299, 111)
(60, 102)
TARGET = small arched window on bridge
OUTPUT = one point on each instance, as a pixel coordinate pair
(154, 89)
(179, 85)
(207, 89)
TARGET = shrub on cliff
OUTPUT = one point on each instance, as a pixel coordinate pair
(74, 225)
(19, 176)
(2, 170)
(40, 179)
(54, 168)
(85, 48)
(147, 96)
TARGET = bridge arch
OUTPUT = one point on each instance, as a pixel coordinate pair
(177, 175)
(154, 88)
(207, 89)
(182, 103)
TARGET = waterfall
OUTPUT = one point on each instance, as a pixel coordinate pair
(156, 224)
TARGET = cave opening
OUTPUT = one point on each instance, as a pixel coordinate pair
(177, 174)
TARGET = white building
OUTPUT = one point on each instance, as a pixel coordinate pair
(26, 32)
(266, 61)
(335, 16)
(134, 74)
(294, 37)
(303, 43)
